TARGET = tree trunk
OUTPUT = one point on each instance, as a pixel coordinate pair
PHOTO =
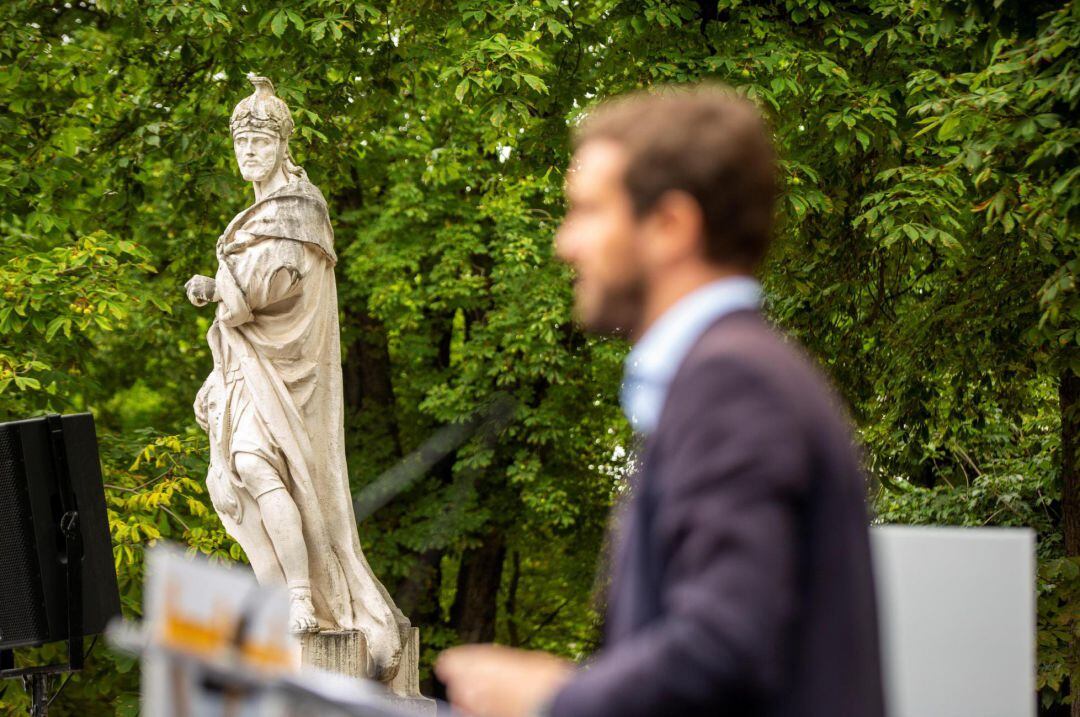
(369, 360)
(367, 376)
(476, 603)
(1069, 394)
(511, 600)
(417, 595)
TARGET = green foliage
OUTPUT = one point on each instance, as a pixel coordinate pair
(60, 298)
(1059, 616)
(929, 259)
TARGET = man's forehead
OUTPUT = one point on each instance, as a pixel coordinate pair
(596, 160)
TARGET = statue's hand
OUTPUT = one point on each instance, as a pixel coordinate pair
(200, 290)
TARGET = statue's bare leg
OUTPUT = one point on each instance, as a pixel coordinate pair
(282, 522)
(256, 543)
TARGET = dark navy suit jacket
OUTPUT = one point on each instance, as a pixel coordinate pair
(741, 581)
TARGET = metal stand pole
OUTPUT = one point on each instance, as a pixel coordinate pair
(39, 703)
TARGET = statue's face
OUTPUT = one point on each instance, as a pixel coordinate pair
(258, 154)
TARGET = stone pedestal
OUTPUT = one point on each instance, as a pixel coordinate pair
(406, 682)
(344, 652)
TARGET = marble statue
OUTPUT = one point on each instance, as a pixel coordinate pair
(273, 403)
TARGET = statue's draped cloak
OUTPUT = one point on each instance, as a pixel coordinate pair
(276, 347)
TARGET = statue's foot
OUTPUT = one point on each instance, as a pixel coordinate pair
(301, 610)
(384, 648)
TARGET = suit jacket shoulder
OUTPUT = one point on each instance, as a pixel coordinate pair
(741, 353)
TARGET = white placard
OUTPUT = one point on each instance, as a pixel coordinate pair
(957, 613)
(217, 615)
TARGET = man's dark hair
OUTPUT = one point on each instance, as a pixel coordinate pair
(706, 141)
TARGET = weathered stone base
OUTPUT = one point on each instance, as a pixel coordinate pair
(342, 652)
(345, 653)
(406, 682)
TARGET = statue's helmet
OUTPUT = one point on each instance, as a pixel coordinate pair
(262, 111)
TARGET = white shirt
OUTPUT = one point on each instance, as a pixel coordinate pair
(651, 365)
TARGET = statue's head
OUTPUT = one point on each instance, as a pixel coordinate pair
(261, 125)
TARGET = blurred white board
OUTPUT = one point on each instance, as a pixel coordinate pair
(957, 614)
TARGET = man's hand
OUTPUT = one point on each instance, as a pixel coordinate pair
(494, 681)
(200, 290)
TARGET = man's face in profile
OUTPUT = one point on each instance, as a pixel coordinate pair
(598, 238)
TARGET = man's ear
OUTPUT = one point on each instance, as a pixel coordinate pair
(676, 227)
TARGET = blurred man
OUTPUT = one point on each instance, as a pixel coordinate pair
(741, 577)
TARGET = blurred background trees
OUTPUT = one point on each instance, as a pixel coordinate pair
(928, 258)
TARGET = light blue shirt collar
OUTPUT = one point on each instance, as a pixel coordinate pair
(651, 365)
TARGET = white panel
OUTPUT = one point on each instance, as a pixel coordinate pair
(957, 611)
